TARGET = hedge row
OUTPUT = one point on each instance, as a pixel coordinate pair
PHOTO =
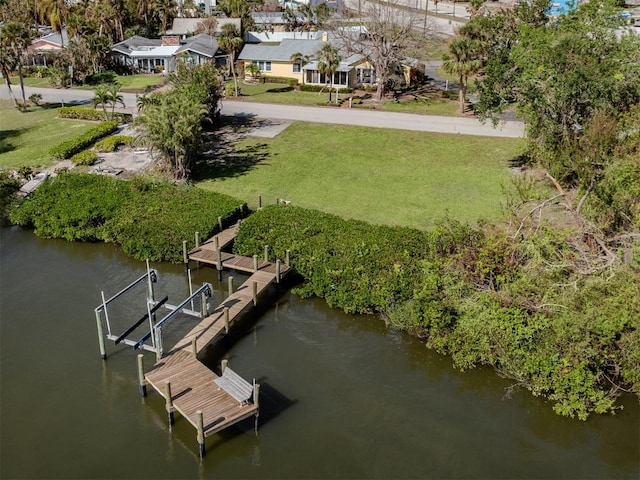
(318, 88)
(110, 144)
(292, 82)
(149, 220)
(69, 148)
(80, 113)
(353, 265)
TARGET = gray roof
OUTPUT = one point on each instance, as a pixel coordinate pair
(203, 44)
(130, 44)
(342, 67)
(55, 38)
(186, 26)
(282, 52)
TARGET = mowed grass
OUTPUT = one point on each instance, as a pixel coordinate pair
(381, 176)
(132, 83)
(25, 138)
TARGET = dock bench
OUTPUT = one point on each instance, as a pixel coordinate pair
(235, 385)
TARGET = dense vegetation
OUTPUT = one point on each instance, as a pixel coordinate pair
(148, 219)
(477, 295)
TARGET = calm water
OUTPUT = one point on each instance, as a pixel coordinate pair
(341, 397)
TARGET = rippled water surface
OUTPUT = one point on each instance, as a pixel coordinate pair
(341, 396)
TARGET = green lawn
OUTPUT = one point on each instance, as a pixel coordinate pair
(25, 138)
(280, 93)
(377, 175)
(131, 83)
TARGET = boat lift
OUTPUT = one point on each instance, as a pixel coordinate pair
(155, 328)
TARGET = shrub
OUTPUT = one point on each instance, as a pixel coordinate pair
(9, 185)
(292, 82)
(35, 98)
(86, 157)
(149, 220)
(110, 144)
(81, 113)
(318, 88)
(108, 76)
(69, 148)
(353, 265)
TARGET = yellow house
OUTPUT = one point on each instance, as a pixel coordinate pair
(275, 60)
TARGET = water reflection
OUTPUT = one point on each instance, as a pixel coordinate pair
(341, 396)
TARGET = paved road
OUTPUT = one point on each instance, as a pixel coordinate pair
(332, 115)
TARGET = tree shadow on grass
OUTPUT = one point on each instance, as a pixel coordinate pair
(223, 157)
(5, 135)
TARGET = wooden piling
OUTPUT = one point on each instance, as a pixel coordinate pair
(197, 239)
(194, 348)
(200, 437)
(255, 263)
(256, 398)
(266, 253)
(278, 271)
(230, 285)
(223, 365)
(169, 402)
(141, 380)
(219, 263)
(287, 258)
(185, 255)
(220, 223)
(254, 286)
(226, 319)
(216, 242)
(103, 351)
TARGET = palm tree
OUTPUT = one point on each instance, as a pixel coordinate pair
(328, 63)
(55, 12)
(101, 97)
(462, 61)
(231, 42)
(253, 70)
(16, 38)
(174, 129)
(144, 101)
(113, 90)
(301, 59)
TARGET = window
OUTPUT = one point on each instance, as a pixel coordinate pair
(296, 68)
(263, 65)
(365, 76)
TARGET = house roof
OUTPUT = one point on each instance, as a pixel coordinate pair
(342, 67)
(54, 38)
(141, 47)
(203, 44)
(187, 26)
(281, 52)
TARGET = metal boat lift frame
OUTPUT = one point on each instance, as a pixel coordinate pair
(155, 328)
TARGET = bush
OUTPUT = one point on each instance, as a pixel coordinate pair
(9, 185)
(110, 144)
(318, 88)
(86, 157)
(80, 113)
(69, 148)
(108, 76)
(352, 265)
(149, 220)
(292, 82)
(35, 98)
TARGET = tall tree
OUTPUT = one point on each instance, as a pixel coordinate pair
(328, 63)
(462, 60)
(16, 37)
(238, 9)
(55, 13)
(388, 29)
(231, 42)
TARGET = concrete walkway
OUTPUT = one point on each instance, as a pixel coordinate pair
(330, 115)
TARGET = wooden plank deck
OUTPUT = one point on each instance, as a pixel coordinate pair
(193, 385)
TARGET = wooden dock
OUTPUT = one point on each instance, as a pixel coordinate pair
(189, 387)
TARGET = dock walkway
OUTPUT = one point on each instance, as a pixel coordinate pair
(192, 386)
